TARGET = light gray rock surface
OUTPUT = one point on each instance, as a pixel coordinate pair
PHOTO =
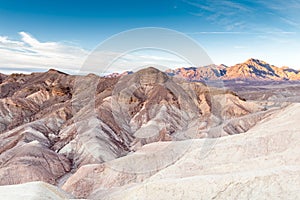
(32, 191)
(263, 163)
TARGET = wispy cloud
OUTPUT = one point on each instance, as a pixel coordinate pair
(233, 15)
(290, 22)
(29, 55)
(223, 13)
(280, 5)
(263, 31)
(215, 32)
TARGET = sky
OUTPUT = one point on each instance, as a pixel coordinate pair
(37, 35)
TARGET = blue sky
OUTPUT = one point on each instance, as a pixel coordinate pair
(230, 31)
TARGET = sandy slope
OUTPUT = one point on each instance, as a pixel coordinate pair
(32, 191)
(263, 163)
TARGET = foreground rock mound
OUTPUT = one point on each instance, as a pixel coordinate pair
(34, 191)
(32, 162)
(260, 164)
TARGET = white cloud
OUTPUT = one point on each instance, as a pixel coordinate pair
(32, 41)
(29, 53)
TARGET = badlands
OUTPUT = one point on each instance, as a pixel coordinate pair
(150, 135)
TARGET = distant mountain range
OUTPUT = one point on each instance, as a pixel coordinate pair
(252, 69)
